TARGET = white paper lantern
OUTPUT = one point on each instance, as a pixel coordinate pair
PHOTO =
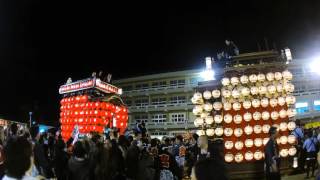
(292, 151)
(207, 107)
(278, 76)
(244, 79)
(215, 93)
(254, 90)
(262, 90)
(265, 141)
(238, 145)
(209, 120)
(253, 78)
(273, 102)
(284, 153)
(283, 113)
(283, 140)
(279, 87)
(257, 129)
(218, 131)
(238, 158)
(207, 95)
(291, 139)
(265, 115)
(283, 126)
(265, 128)
(226, 93)
(289, 87)
(257, 155)
(210, 132)
(225, 81)
(247, 116)
(287, 75)
(198, 122)
(274, 115)
(255, 103)
(290, 100)
(258, 142)
(248, 130)
(238, 132)
(256, 116)
(204, 115)
(228, 157)
(281, 101)
(236, 106)
(272, 89)
(193, 100)
(248, 143)
(237, 119)
(218, 119)
(270, 76)
(197, 110)
(228, 144)
(291, 125)
(264, 102)
(246, 104)
(217, 106)
(248, 156)
(197, 95)
(245, 91)
(234, 81)
(261, 77)
(227, 106)
(235, 93)
(227, 118)
(291, 112)
(228, 132)
(201, 132)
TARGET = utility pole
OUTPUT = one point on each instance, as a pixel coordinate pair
(30, 118)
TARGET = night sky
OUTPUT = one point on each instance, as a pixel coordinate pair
(44, 42)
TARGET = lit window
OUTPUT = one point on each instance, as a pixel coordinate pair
(178, 117)
(316, 105)
(302, 107)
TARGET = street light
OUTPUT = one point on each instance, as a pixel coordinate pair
(208, 73)
(315, 66)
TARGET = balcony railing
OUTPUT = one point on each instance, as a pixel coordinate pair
(167, 125)
(166, 87)
(161, 106)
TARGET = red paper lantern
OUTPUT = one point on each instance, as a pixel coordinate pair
(78, 98)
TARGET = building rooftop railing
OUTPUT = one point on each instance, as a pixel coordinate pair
(165, 87)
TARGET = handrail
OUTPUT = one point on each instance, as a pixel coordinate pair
(162, 87)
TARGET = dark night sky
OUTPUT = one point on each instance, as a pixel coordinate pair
(42, 42)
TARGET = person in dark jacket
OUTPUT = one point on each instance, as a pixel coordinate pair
(78, 164)
(60, 159)
(132, 160)
(272, 159)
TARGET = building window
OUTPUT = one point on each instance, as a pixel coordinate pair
(159, 84)
(178, 117)
(302, 107)
(178, 99)
(127, 88)
(141, 118)
(142, 102)
(316, 105)
(142, 86)
(158, 101)
(159, 118)
(180, 82)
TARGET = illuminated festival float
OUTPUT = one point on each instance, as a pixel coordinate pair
(92, 105)
(251, 94)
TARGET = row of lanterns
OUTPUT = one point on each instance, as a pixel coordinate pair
(88, 106)
(75, 99)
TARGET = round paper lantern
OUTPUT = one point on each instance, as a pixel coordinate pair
(291, 112)
(209, 120)
(225, 81)
(272, 89)
(228, 157)
(234, 81)
(284, 153)
(248, 130)
(201, 132)
(282, 113)
(258, 142)
(207, 107)
(245, 91)
(248, 156)
(283, 139)
(238, 145)
(264, 102)
(291, 125)
(287, 75)
(244, 79)
(210, 132)
(281, 101)
(206, 94)
(283, 126)
(261, 77)
(255, 103)
(262, 90)
(265, 128)
(291, 139)
(290, 100)
(197, 110)
(238, 158)
(226, 93)
(217, 106)
(236, 106)
(273, 102)
(265, 115)
(253, 78)
(292, 151)
(254, 90)
(270, 76)
(228, 132)
(279, 88)
(247, 116)
(274, 115)
(257, 155)
(215, 93)
(248, 143)
(235, 93)
(256, 116)
(218, 119)
(246, 104)
(289, 87)
(228, 144)
(198, 122)
(237, 119)
(218, 131)
(257, 129)
(265, 141)
(227, 106)
(278, 76)
(238, 132)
